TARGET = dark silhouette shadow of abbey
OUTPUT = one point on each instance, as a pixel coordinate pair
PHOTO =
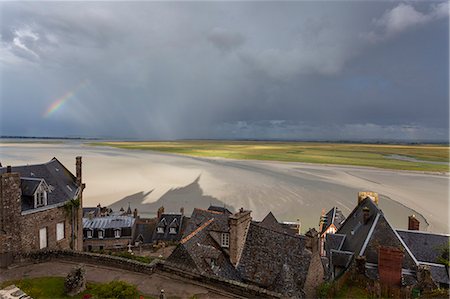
(189, 197)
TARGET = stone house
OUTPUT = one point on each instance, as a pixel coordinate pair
(40, 208)
(169, 227)
(106, 232)
(265, 254)
(366, 243)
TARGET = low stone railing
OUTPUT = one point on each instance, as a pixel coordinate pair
(214, 282)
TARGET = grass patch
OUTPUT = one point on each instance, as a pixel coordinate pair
(53, 287)
(372, 155)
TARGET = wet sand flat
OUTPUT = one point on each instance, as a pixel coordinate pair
(290, 190)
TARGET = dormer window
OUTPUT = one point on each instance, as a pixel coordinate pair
(40, 199)
(117, 233)
(172, 230)
(89, 234)
(160, 230)
(225, 240)
(100, 234)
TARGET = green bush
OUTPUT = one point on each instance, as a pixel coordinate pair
(116, 289)
(323, 290)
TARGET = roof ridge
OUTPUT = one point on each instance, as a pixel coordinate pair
(278, 232)
(200, 228)
(209, 211)
(421, 232)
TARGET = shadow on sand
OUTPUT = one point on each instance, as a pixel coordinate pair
(190, 196)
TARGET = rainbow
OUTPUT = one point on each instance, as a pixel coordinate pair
(60, 101)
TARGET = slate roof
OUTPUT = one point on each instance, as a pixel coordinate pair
(355, 229)
(333, 242)
(144, 230)
(219, 209)
(365, 238)
(61, 182)
(274, 260)
(108, 222)
(334, 216)
(29, 185)
(426, 247)
(200, 250)
(270, 222)
(440, 274)
(168, 221)
(270, 258)
(341, 258)
(200, 216)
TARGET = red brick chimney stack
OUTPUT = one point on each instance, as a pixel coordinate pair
(413, 223)
(182, 211)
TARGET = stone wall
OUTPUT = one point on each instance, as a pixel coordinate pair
(10, 208)
(33, 222)
(157, 266)
(106, 243)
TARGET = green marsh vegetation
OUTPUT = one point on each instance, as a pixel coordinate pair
(424, 157)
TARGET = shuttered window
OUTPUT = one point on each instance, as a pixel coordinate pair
(59, 231)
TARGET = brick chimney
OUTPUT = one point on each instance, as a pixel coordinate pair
(8, 169)
(413, 223)
(182, 211)
(135, 213)
(366, 215)
(239, 224)
(372, 195)
(160, 212)
(390, 260)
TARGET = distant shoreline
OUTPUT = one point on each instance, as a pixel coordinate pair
(368, 141)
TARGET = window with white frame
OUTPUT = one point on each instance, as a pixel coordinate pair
(60, 231)
(117, 233)
(225, 240)
(160, 230)
(89, 233)
(101, 234)
(40, 198)
(172, 230)
(43, 238)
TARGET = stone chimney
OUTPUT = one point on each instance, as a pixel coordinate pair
(78, 170)
(413, 223)
(366, 215)
(182, 211)
(372, 195)
(10, 210)
(160, 212)
(239, 224)
(135, 213)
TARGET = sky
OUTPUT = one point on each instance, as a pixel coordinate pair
(322, 70)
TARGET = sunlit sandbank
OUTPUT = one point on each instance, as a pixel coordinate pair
(290, 190)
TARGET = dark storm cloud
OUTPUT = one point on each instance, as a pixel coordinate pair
(313, 70)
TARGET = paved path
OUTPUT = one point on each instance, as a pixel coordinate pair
(147, 284)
